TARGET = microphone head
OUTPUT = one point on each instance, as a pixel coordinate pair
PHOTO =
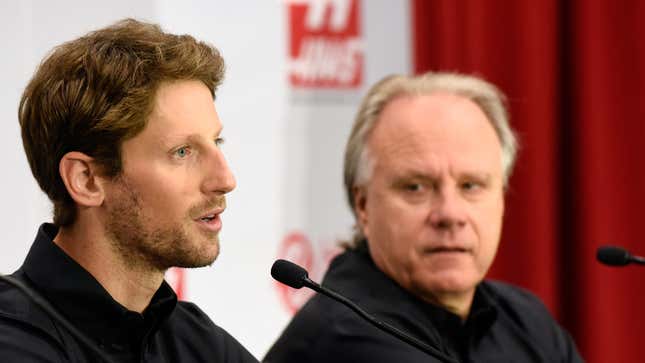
(613, 256)
(289, 273)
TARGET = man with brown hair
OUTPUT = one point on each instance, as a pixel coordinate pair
(121, 133)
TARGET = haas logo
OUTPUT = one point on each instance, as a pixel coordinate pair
(326, 47)
(176, 278)
(297, 248)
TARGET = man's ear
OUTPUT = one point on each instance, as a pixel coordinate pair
(81, 178)
(360, 208)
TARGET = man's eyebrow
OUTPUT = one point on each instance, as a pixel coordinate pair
(172, 139)
(169, 140)
(416, 175)
(419, 175)
(483, 175)
(430, 176)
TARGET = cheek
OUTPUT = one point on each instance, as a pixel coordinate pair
(490, 227)
(384, 211)
(396, 226)
(161, 197)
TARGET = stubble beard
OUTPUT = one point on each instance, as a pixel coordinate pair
(145, 244)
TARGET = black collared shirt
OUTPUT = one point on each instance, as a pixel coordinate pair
(167, 331)
(506, 324)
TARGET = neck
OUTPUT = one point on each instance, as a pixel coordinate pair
(131, 285)
(457, 303)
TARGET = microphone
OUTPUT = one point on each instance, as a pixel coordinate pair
(617, 256)
(295, 276)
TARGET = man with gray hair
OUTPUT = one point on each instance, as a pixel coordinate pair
(426, 166)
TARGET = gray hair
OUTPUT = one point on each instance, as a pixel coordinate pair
(359, 166)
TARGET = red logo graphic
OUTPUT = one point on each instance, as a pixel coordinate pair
(176, 278)
(297, 248)
(326, 45)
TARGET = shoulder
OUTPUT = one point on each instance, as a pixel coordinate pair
(187, 315)
(522, 311)
(505, 292)
(324, 330)
(521, 304)
(27, 334)
(310, 326)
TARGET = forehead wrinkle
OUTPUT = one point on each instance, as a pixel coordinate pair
(170, 131)
(177, 101)
(408, 155)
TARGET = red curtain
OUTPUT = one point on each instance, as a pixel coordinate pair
(573, 72)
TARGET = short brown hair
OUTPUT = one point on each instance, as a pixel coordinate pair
(93, 93)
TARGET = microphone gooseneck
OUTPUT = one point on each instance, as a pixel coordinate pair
(295, 276)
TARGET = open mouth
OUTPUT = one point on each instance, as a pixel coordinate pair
(208, 218)
(447, 250)
(210, 222)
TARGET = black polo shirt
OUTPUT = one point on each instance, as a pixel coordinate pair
(167, 331)
(505, 324)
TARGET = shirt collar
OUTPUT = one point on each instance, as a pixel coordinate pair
(82, 299)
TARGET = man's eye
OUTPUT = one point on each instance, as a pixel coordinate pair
(182, 152)
(219, 141)
(470, 185)
(414, 187)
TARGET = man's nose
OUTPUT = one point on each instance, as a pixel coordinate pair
(448, 209)
(219, 179)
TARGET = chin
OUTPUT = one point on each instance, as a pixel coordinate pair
(207, 258)
(195, 261)
(203, 254)
(449, 282)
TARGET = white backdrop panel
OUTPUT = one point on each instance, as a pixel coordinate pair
(285, 150)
